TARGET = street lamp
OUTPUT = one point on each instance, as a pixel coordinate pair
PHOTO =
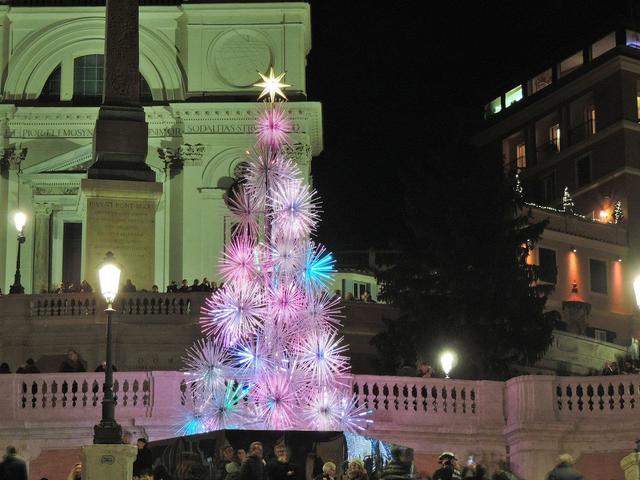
(20, 219)
(446, 361)
(108, 431)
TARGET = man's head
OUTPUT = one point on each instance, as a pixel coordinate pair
(329, 468)
(256, 449)
(184, 282)
(566, 459)
(196, 281)
(126, 437)
(356, 466)
(281, 452)
(30, 361)
(227, 452)
(447, 458)
(241, 453)
(11, 450)
(141, 443)
(72, 355)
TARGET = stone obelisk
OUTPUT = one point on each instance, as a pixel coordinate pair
(120, 192)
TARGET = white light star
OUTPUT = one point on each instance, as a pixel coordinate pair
(271, 85)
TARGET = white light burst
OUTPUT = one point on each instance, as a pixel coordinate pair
(234, 312)
(295, 209)
(321, 355)
(207, 363)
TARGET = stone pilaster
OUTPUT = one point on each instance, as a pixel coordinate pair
(108, 462)
(42, 254)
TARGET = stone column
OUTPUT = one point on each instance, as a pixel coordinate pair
(631, 466)
(41, 257)
(108, 462)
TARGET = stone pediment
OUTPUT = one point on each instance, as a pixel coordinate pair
(75, 161)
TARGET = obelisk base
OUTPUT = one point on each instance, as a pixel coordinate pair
(108, 462)
(120, 218)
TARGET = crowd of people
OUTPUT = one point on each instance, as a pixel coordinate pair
(625, 367)
(251, 464)
(72, 363)
(85, 287)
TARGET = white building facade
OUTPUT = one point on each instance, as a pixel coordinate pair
(198, 63)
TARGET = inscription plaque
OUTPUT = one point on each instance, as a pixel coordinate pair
(121, 220)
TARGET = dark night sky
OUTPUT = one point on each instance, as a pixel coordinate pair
(397, 81)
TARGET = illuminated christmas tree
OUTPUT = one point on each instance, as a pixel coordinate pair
(618, 215)
(567, 201)
(272, 357)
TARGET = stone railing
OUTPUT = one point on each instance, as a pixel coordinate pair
(91, 304)
(534, 417)
(588, 396)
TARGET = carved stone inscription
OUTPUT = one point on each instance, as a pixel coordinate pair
(125, 227)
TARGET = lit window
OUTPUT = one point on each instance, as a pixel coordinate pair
(633, 39)
(521, 156)
(88, 72)
(512, 96)
(554, 136)
(540, 81)
(590, 113)
(493, 107)
(600, 335)
(568, 65)
(598, 275)
(603, 45)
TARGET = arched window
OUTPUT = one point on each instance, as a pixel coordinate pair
(88, 75)
(51, 90)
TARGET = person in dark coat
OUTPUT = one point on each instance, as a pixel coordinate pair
(4, 368)
(129, 287)
(103, 367)
(28, 367)
(227, 455)
(253, 466)
(13, 467)
(396, 468)
(72, 363)
(280, 468)
(450, 470)
(144, 459)
(564, 470)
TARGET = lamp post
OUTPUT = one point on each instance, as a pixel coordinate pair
(108, 431)
(636, 289)
(20, 219)
(446, 361)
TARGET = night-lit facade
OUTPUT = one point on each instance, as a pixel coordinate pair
(574, 124)
(198, 63)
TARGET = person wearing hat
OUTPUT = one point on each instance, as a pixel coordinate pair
(450, 468)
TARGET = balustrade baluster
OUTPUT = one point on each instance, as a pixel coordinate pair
(135, 389)
(579, 394)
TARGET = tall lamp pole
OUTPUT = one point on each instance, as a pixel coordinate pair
(20, 219)
(108, 431)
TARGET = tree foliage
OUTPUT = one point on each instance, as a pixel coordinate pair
(462, 281)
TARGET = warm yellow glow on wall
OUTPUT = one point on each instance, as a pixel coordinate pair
(573, 269)
(617, 297)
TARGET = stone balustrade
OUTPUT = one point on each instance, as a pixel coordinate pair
(533, 418)
(79, 304)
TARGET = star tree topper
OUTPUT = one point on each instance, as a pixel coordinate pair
(272, 85)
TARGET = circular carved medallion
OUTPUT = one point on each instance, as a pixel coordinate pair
(238, 55)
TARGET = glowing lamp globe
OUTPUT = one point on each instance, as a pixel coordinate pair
(446, 361)
(636, 289)
(109, 274)
(20, 219)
